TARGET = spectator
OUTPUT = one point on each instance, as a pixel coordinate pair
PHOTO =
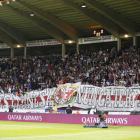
(101, 68)
(68, 110)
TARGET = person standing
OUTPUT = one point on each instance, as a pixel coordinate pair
(10, 108)
(54, 111)
(68, 110)
(92, 110)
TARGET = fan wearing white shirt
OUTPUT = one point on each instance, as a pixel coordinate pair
(92, 110)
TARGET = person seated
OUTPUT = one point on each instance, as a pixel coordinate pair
(102, 118)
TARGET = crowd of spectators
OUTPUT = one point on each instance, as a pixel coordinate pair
(101, 68)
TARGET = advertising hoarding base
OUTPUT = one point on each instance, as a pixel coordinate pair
(120, 120)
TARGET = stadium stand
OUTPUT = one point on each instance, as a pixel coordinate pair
(101, 68)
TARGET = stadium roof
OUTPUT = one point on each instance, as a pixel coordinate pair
(66, 19)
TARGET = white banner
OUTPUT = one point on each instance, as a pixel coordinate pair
(4, 46)
(76, 95)
(97, 39)
(42, 42)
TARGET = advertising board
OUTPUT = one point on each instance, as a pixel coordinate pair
(121, 120)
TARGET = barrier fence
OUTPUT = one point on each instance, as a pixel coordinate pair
(121, 120)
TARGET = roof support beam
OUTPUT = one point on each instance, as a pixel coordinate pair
(109, 25)
(128, 25)
(7, 39)
(50, 29)
(63, 26)
(17, 35)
